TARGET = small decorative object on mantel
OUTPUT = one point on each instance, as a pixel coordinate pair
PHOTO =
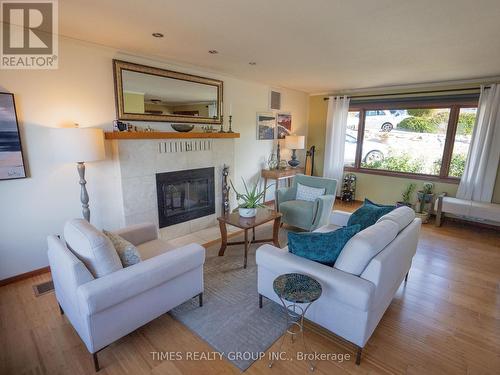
(225, 190)
(294, 142)
(230, 124)
(182, 128)
(222, 125)
(251, 200)
(208, 129)
(348, 193)
(119, 126)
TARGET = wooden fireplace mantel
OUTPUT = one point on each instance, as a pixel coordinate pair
(167, 135)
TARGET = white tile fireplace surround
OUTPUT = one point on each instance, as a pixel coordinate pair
(140, 160)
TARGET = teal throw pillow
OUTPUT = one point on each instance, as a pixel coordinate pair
(369, 213)
(321, 247)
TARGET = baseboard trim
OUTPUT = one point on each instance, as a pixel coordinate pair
(24, 276)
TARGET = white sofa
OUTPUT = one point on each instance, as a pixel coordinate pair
(488, 213)
(352, 303)
(105, 308)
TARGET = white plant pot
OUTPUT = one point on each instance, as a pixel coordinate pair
(247, 212)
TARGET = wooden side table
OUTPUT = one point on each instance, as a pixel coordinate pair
(280, 174)
(263, 216)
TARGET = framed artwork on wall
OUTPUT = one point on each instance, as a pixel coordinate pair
(11, 152)
(266, 123)
(284, 124)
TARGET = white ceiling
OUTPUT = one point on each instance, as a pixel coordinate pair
(310, 45)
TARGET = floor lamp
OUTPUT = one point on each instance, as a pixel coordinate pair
(81, 145)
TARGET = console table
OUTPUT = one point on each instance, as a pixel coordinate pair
(280, 174)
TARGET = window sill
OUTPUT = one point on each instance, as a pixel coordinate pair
(413, 176)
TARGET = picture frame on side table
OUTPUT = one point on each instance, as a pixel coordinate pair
(11, 152)
(266, 124)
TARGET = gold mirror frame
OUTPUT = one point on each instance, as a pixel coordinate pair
(119, 65)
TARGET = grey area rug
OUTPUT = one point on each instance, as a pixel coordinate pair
(230, 319)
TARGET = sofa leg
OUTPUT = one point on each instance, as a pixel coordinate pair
(358, 355)
(406, 277)
(200, 299)
(96, 362)
(260, 301)
(60, 309)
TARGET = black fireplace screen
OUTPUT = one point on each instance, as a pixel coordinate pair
(185, 195)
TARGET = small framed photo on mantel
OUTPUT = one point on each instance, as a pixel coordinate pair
(11, 153)
(266, 123)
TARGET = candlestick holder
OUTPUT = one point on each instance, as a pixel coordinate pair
(222, 124)
(230, 124)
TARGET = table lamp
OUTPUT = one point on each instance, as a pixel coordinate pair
(294, 142)
(80, 145)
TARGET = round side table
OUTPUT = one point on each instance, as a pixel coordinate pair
(295, 290)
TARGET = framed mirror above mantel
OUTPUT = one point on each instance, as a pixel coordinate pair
(145, 93)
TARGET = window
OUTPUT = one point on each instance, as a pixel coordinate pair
(351, 138)
(423, 139)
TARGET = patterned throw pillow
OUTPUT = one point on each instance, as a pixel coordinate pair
(321, 247)
(309, 193)
(128, 253)
(368, 214)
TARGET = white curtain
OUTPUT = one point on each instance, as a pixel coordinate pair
(478, 179)
(336, 123)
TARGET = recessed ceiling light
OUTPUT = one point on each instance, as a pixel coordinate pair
(158, 35)
(252, 63)
(213, 51)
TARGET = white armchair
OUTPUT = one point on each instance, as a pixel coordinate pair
(104, 309)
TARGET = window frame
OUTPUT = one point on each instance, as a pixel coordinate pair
(454, 105)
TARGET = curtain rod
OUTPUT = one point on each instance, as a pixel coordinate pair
(408, 93)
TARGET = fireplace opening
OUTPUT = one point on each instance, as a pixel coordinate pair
(185, 195)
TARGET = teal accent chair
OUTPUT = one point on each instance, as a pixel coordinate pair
(303, 214)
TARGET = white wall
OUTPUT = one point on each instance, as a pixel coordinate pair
(81, 91)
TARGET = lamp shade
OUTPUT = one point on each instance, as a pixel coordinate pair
(79, 144)
(295, 142)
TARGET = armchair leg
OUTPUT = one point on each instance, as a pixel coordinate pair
(96, 362)
(200, 299)
(358, 355)
(260, 301)
(60, 309)
(406, 277)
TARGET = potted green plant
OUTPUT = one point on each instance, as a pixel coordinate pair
(250, 200)
(425, 196)
(406, 195)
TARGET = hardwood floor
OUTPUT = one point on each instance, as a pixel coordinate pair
(445, 320)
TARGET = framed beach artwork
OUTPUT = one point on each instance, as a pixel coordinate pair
(284, 124)
(266, 123)
(11, 153)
